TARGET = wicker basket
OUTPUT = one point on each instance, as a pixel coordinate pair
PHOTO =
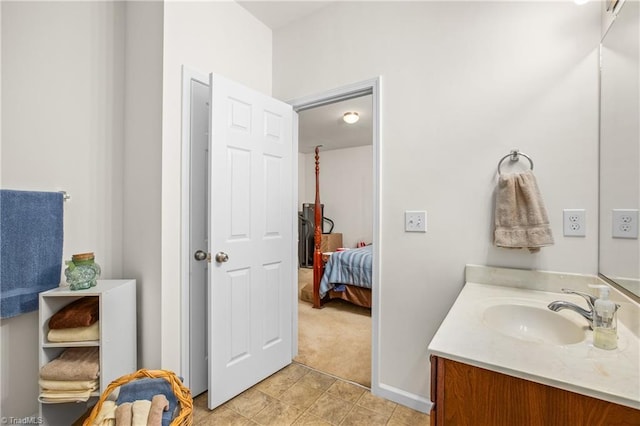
(182, 393)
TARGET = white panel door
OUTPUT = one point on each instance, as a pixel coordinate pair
(251, 223)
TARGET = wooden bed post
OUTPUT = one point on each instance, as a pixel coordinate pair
(318, 267)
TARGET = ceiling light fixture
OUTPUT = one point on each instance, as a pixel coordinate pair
(350, 117)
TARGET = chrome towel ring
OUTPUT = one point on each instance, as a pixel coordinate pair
(514, 155)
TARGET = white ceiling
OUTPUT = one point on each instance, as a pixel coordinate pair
(324, 126)
(276, 14)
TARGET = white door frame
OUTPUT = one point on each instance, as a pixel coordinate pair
(372, 87)
(367, 87)
(188, 75)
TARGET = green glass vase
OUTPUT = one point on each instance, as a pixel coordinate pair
(82, 271)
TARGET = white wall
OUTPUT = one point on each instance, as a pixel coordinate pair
(462, 84)
(62, 129)
(219, 37)
(346, 190)
(142, 246)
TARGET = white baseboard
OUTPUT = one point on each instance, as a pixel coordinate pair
(401, 397)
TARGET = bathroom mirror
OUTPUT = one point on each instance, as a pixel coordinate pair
(619, 254)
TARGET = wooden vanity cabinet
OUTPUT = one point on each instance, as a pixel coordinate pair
(466, 395)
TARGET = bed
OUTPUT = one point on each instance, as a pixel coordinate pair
(347, 274)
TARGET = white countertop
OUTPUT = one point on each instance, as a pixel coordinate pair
(611, 375)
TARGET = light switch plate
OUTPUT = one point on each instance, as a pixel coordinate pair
(415, 221)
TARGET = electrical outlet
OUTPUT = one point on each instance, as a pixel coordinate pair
(625, 223)
(415, 221)
(573, 223)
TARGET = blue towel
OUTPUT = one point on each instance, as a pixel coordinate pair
(31, 235)
(145, 389)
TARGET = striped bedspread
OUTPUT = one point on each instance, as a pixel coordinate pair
(348, 267)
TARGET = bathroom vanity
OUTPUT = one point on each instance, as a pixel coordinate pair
(466, 395)
(501, 357)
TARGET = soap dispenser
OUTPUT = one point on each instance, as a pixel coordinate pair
(604, 320)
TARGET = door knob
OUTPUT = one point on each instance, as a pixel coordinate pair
(221, 257)
(200, 255)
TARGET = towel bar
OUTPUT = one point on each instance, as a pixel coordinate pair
(514, 156)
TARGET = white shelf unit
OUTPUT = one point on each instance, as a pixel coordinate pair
(117, 313)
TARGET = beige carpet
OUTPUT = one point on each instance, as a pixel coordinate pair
(335, 339)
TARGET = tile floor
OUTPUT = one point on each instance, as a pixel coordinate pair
(298, 395)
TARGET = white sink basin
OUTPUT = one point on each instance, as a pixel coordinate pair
(533, 324)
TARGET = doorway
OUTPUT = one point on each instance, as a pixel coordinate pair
(340, 330)
(355, 90)
(190, 326)
(236, 307)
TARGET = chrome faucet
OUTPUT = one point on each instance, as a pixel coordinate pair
(559, 305)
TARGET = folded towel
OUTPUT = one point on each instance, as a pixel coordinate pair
(65, 396)
(521, 219)
(31, 235)
(140, 412)
(147, 388)
(76, 334)
(159, 404)
(69, 385)
(107, 414)
(73, 364)
(79, 313)
(61, 400)
(123, 414)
